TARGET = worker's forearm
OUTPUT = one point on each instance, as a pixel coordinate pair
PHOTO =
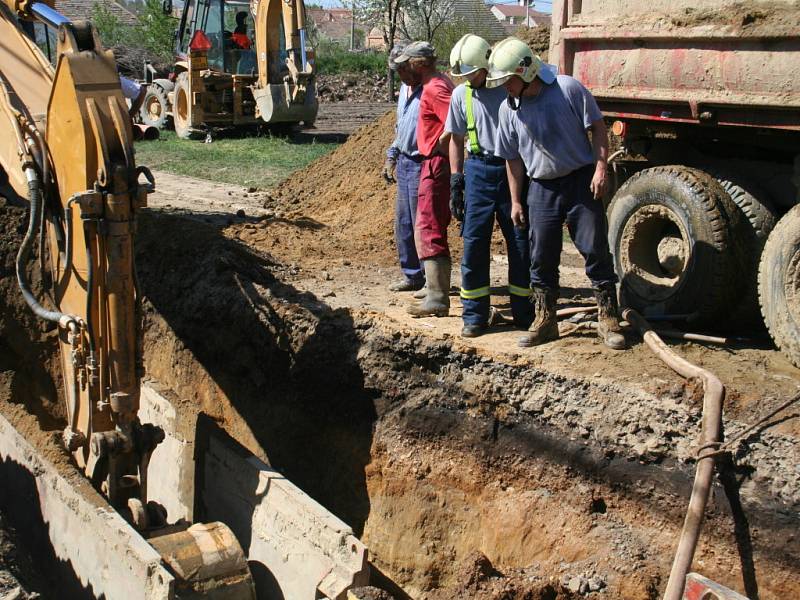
(600, 142)
(516, 179)
(443, 147)
(456, 153)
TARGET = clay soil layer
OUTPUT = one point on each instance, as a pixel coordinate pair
(470, 469)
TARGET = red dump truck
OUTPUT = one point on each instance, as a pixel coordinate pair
(704, 99)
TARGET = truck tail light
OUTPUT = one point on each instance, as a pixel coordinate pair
(619, 128)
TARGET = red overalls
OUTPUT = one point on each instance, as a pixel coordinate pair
(433, 206)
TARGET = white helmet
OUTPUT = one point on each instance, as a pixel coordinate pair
(512, 57)
(470, 54)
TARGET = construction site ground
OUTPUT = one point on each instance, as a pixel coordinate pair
(470, 468)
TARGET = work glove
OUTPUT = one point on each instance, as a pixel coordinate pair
(388, 171)
(457, 196)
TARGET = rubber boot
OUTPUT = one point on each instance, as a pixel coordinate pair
(545, 325)
(421, 292)
(608, 327)
(437, 300)
(407, 285)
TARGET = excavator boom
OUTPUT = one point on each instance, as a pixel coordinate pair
(66, 148)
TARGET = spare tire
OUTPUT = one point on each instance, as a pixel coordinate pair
(779, 285)
(672, 232)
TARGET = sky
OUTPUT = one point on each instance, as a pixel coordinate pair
(545, 6)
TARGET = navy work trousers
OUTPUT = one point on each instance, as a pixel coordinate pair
(405, 215)
(551, 203)
(487, 197)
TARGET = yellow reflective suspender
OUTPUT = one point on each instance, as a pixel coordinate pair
(472, 131)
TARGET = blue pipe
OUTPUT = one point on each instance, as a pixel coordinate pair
(47, 15)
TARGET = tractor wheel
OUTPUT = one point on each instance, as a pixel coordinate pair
(779, 285)
(673, 232)
(155, 107)
(180, 109)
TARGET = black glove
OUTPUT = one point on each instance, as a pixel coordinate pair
(457, 196)
(388, 170)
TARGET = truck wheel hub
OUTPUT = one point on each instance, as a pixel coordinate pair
(654, 249)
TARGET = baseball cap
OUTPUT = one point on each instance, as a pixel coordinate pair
(397, 50)
(416, 50)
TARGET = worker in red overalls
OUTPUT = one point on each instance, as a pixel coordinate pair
(433, 210)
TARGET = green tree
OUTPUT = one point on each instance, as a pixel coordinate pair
(150, 38)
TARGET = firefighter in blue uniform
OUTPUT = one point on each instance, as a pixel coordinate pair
(479, 191)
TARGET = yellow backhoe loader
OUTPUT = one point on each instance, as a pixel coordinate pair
(239, 63)
(66, 149)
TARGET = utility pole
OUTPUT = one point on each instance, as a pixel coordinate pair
(353, 28)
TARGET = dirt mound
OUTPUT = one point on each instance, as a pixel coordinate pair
(741, 14)
(339, 206)
(352, 87)
(538, 38)
(479, 580)
(745, 18)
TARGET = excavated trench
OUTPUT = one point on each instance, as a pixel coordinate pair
(466, 476)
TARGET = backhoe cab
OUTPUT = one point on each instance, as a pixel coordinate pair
(238, 64)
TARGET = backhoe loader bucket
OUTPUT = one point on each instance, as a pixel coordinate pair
(287, 103)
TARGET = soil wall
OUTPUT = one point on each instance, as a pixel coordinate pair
(432, 451)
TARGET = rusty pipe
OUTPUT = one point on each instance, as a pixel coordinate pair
(145, 132)
(693, 337)
(575, 310)
(713, 395)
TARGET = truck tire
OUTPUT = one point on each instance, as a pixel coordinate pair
(671, 231)
(759, 220)
(155, 107)
(779, 285)
(180, 109)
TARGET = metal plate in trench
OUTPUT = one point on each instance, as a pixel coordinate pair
(90, 549)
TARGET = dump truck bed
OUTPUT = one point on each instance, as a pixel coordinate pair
(713, 62)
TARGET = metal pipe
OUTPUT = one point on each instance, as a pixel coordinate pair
(47, 15)
(576, 310)
(615, 155)
(714, 393)
(695, 337)
(89, 287)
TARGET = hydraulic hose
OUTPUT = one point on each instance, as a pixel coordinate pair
(713, 395)
(35, 199)
(89, 288)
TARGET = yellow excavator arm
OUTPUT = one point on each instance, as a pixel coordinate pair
(66, 148)
(69, 139)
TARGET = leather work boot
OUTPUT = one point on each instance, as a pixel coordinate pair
(474, 330)
(608, 327)
(545, 325)
(406, 285)
(437, 300)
